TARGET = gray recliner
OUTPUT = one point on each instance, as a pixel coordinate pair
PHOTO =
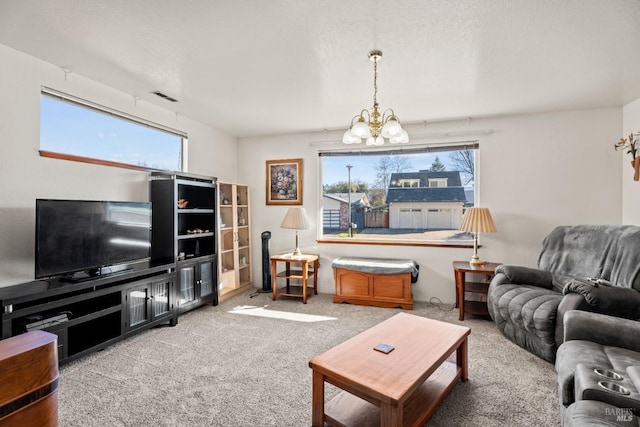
(599, 353)
(528, 304)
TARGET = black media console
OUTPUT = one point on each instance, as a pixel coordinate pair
(90, 311)
(89, 315)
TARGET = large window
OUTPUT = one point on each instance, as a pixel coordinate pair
(413, 195)
(79, 130)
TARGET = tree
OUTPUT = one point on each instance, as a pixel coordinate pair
(377, 197)
(388, 165)
(437, 165)
(357, 186)
(464, 161)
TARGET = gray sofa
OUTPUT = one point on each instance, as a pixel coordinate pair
(600, 354)
(528, 304)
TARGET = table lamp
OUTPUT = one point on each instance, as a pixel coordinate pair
(296, 219)
(477, 220)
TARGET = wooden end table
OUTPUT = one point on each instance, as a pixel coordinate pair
(460, 268)
(302, 274)
(401, 388)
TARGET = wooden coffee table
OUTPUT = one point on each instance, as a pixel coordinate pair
(401, 388)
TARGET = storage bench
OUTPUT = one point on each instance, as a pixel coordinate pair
(378, 282)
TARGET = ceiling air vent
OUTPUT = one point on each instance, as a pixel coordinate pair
(162, 95)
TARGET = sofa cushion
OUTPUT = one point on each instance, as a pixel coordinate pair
(526, 275)
(625, 266)
(579, 250)
(527, 316)
(624, 302)
(602, 251)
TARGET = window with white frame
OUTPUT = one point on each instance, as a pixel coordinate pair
(414, 195)
(410, 183)
(79, 130)
(437, 182)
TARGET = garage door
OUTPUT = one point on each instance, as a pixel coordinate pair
(439, 219)
(410, 218)
(331, 218)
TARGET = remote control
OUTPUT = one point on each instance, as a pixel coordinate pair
(384, 348)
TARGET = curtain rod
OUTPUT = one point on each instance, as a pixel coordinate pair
(70, 98)
(432, 135)
(404, 149)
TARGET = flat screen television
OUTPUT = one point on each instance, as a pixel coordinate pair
(83, 238)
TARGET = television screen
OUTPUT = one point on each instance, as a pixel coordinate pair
(83, 236)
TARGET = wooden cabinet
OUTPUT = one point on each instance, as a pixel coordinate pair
(478, 286)
(184, 231)
(148, 302)
(378, 290)
(88, 315)
(234, 239)
(196, 282)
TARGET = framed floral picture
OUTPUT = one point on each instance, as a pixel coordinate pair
(284, 182)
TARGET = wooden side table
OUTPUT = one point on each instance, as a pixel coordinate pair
(302, 274)
(460, 268)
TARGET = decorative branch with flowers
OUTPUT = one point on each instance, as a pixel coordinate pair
(630, 146)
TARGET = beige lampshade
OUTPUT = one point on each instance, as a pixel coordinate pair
(478, 220)
(296, 219)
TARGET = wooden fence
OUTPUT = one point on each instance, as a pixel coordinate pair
(376, 219)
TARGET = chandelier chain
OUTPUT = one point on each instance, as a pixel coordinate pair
(375, 81)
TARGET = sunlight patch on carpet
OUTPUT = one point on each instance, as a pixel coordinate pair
(250, 310)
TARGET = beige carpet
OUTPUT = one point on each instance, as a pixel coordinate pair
(221, 368)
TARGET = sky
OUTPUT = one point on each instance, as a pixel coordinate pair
(334, 169)
(71, 129)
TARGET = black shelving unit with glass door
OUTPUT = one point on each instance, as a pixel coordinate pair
(184, 231)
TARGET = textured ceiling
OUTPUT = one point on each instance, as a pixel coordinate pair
(254, 67)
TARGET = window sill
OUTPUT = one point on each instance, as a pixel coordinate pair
(81, 159)
(356, 241)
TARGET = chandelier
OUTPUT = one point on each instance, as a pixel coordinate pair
(372, 127)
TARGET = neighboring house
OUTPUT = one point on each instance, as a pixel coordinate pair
(426, 200)
(470, 194)
(335, 210)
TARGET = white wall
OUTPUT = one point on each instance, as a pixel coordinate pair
(630, 188)
(25, 176)
(536, 171)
